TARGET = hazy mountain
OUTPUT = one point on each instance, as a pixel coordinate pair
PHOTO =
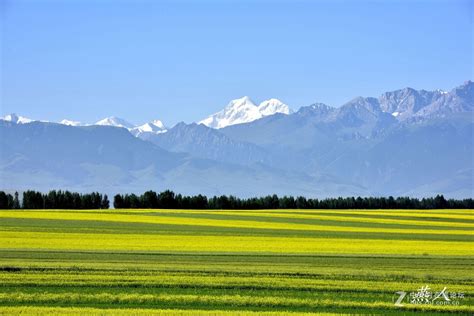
(405, 103)
(397, 161)
(409, 103)
(204, 142)
(458, 100)
(63, 149)
(409, 160)
(362, 142)
(46, 156)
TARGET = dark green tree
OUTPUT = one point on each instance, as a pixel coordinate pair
(16, 201)
(105, 204)
(118, 201)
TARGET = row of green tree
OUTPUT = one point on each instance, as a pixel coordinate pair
(54, 200)
(168, 199)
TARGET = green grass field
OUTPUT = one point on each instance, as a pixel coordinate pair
(269, 262)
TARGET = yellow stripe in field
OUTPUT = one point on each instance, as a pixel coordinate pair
(350, 218)
(184, 243)
(467, 214)
(448, 214)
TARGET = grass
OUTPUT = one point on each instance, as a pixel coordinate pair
(269, 262)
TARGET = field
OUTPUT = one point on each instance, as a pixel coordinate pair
(268, 262)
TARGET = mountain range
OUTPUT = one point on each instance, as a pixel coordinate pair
(405, 142)
(238, 111)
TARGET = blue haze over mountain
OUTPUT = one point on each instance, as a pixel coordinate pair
(405, 142)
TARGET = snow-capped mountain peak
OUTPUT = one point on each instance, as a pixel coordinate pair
(237, 111)
(158, 124)
(114, 121)
(153, 127)
(70, 122)
(273, 106)
(244, 110)
(242, 102)
(16, 119)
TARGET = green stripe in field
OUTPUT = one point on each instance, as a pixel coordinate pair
(338, 266)
(235, 301)
(235, 281)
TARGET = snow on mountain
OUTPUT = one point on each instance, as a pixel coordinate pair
(238, 111)
(115, 121)
(16, 119)
(153, 127)
(70, 123)
(244, 110)
(272, 106)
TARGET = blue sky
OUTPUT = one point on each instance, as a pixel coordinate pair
(182, 60)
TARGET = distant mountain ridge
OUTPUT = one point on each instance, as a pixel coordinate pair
(403, 104)
(153, 127)
(16, 119)
(405, 142)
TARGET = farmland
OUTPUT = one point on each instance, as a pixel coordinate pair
(267, 262)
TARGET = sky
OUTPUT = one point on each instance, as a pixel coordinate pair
(183, 60)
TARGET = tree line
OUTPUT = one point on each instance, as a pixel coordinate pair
(169, 200)
(54, 200)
